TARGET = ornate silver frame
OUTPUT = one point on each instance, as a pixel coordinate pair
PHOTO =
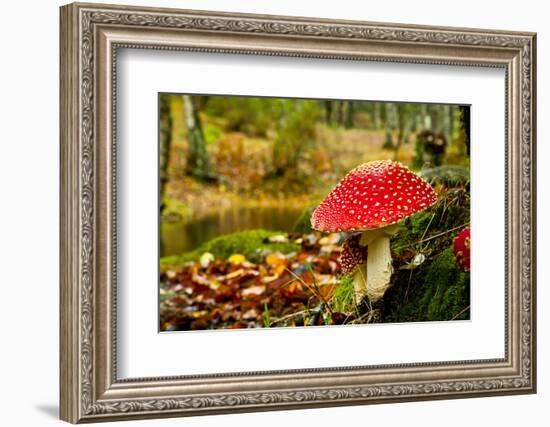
(90, 36)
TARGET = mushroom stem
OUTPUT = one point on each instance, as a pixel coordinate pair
(379, 268)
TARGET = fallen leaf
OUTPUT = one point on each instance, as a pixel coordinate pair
(234, 274)
(253, 290)
(331, 239)
(197, 314)
(327, 290)
(205, 259)
(236, 259)
(200, 280)
(279, 269)
(247, 264)
(419, 259)
(279, 238)
(276, 258)
(327, 249)
(268, 279)
(250, 314)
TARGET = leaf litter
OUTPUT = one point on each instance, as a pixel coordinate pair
(283, 290)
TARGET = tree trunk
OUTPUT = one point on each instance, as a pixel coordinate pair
(465, 124)
(328, 111)
(447, 121)
(165, 142)
(349, 114)
(340, 119)
(401, 129)
(435, 114)
(390, 125)
(426, 119)
(376, 115)
(197, 160)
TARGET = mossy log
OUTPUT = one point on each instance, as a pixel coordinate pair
(428, 284)
(433, 292)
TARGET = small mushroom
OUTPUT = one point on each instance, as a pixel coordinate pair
(352, 255)
(370, 200)
(462, 249)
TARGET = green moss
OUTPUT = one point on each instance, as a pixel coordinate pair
(253, 244)
(437, 290)
(303, 223)
(448, 175)
(449, 288)
(420, 222)
(170, 263)
(434, 229)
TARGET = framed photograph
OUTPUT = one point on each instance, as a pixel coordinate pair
(266, 212)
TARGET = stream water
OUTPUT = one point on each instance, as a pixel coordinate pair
(176, 238)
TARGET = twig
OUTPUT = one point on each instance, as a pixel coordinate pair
(408, 285)
(460, 312)
(320, 295)
(426, 230)
(315, 312)
(315, 291)
(289, 316)
(369, 315)
(434, 236)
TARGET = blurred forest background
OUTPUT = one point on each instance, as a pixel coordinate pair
(230, 163)
(239, 179)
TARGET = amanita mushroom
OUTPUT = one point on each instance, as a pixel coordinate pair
(371, 199)
(462, 249)
(353, 254)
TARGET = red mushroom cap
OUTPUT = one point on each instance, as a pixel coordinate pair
(462, 249)
(352, 254)
(373, 195)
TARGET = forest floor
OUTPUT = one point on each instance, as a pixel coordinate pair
(280, 290)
